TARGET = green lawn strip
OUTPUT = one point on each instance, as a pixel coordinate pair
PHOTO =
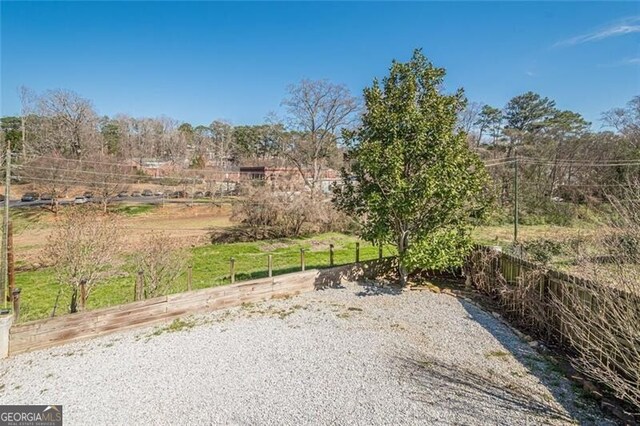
(27, 218)
(38, 294)
(133, 209)
(210, 268)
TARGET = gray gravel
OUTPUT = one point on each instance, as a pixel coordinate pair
(356, 355)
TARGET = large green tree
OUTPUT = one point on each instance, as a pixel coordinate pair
(411, 179)
(11, 129)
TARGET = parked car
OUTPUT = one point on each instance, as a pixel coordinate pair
(46, 197)
(180, 194)
(198, 194)
(159, 194)
(147, 193)
(136, 194)
(30, 196)
(123, 194)
(88, 195)
(208, 194)
(1, 198)
(80, 200)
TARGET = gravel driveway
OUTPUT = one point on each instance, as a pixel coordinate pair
(361, 354)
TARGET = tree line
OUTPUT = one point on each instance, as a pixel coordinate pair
(556, 153)
(62, 123)
(560, 156)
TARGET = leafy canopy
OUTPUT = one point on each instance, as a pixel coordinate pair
(411, 179)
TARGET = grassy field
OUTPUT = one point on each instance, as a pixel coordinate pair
(502, 235)
(210, 268)
(191, 227)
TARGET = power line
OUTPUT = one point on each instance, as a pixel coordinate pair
(200, 174)
(500, 164)
(580, 161)
(71, 171)
(47, 157)
(607, 163)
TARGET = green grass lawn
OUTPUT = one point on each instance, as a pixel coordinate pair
(133, 209)
(210, 268)
(502, 235)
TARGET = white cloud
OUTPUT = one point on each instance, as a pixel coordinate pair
(622, 63)
(625, 26)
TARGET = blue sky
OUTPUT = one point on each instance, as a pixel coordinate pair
(200, 61)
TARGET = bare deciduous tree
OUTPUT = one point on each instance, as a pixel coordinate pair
(83, 245)
(27, 97)
(161, 261)
(626, 120)
(468, 116)
(52, 176)
(317, 111)
(71, 123)
(105, 178)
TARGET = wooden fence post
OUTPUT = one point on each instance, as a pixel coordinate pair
(189, 277)
(380, 251)
(232, 269)
(302, 265)
(10, 263)
(330, 254)
(138, 293)
(357, 252)
(15, 296)
(270, 265)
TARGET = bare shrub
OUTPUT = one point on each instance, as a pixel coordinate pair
(597, 319)
(602, 324)
(81, 248)
(285, 207)
(517, 291)
(161, 261)
(602, 316)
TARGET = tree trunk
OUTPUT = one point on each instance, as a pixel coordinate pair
(479, 137)
(402, 273)
(402, 249)
(73, 306)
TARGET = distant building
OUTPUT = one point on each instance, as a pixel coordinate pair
(329, 176)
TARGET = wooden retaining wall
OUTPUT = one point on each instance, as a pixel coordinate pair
(46, 333)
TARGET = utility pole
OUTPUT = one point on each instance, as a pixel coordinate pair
(5, 245)
(11, 272)
(515, 201)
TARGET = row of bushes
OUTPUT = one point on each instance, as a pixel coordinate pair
(282, 209)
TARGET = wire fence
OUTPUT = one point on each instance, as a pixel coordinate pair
(208, 266)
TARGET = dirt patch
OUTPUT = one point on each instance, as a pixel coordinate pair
(189, 225)
(269, 247)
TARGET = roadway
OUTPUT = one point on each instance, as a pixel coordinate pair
(95, 200)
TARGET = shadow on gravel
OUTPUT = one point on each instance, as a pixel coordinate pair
(500, 390)
(476, 398)
(377, 289)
